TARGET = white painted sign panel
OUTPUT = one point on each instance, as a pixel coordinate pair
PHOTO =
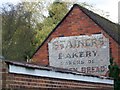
(87, 54)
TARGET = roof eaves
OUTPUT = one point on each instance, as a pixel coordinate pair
(94, 17)
(108, 26)
(55, 69)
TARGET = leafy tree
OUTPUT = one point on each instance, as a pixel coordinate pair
(26, 25)
(114, 73)
(56, 11)
(17, 33)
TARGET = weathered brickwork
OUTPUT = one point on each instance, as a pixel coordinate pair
(74, 24)
(3, 74)
(13, 81)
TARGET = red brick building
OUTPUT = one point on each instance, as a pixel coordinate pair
(80, 21)
(40, 76)
(24, 76)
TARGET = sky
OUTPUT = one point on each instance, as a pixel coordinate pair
(110, 6)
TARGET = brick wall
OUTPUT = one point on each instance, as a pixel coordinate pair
(15, 81)
(76, 23)
(3, 74)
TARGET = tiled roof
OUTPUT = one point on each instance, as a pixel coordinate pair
(112, 29)
(109, 27)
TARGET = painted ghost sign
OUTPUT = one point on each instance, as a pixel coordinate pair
(87, 54)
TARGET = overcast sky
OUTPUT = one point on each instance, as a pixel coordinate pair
(110, 6)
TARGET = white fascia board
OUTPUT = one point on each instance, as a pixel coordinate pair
(52, 74)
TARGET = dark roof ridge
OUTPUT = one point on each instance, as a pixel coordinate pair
(108, 26)
(92, 15)
(93, 12)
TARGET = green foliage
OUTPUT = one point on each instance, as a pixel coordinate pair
(25, 26)
(56, 12)
(17, 33)
(114, 73)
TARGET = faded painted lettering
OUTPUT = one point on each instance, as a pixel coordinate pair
(88, 54)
